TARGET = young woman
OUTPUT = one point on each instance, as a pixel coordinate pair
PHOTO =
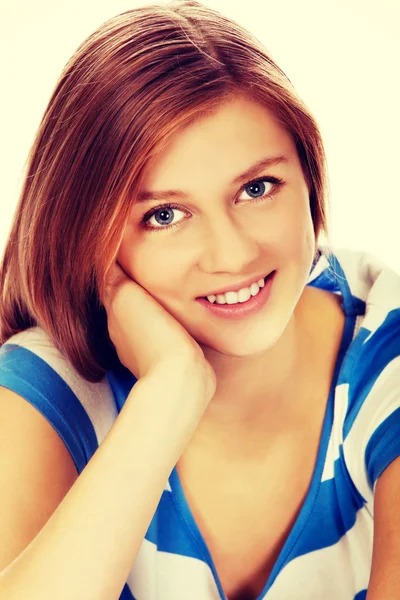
(198, 400)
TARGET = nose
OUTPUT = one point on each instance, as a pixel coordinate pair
(227, 247)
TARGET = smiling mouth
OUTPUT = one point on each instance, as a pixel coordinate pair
(265, 279)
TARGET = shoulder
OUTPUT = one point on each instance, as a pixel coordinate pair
(370, 297)
(367, 390)
(375, 350)
(82, 412)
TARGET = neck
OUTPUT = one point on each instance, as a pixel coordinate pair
(254, 386)
(287, 384)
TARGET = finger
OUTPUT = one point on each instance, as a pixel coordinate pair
(114, 277)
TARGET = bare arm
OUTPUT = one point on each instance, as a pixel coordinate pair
(385, 573)
(88, 546)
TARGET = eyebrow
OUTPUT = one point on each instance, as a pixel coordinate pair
(250, 173)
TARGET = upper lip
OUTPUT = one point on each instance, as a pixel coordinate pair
(238, 286)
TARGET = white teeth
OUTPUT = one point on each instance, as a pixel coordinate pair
(237, 297)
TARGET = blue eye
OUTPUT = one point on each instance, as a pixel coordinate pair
(257, 192)
(164, 214)
(258, 188)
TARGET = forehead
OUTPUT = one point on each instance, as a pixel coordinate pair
(226, 141)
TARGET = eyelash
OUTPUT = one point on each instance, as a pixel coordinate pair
(276, 181)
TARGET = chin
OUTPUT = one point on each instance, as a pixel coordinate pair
(251, 341)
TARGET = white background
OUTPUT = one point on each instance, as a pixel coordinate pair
(343, 56)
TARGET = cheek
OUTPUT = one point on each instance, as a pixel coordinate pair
(293, 233)
(156, 270)
(306, 244)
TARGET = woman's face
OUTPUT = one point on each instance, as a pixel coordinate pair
(224, 232)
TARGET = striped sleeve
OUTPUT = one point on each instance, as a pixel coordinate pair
(80, 411)
(372, 425)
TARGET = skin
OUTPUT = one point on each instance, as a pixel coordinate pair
(223, 238)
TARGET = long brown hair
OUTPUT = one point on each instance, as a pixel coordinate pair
(135, 82)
